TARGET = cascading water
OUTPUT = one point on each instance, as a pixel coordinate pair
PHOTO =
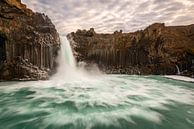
(66, 54)
(66, 60)
(72, 99)
(67, 70)
(178, 70)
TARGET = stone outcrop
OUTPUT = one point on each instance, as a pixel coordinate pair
(158, 49)
(28, 43)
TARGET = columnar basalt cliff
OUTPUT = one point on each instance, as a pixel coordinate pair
(158, 49)
(28, 43)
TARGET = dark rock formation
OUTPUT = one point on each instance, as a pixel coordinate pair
(28, 43)
(156, 50)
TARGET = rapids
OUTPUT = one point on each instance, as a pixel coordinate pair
(107, 102)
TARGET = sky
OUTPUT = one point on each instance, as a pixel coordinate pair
(107, 16)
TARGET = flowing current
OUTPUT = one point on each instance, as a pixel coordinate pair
(74, 99)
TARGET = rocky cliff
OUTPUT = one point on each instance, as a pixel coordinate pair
(28, 43)
(158, 49)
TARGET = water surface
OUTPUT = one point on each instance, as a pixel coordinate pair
(105, 102)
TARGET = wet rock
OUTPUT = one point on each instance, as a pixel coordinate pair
(28, 43)
(154, 50)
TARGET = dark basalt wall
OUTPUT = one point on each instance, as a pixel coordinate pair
(28, 43)
(156, 50)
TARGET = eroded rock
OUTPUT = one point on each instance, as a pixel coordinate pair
(28, 43)
(154, 50)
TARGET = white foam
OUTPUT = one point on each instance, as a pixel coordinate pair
(118, 96)
(181, 78)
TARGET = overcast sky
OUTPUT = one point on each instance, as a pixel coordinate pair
(110, 15)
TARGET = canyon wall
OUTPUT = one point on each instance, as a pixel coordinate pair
(158, 49)
(28, 43)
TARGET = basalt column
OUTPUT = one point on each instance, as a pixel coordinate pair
(29, 43)
(2, 50)
(157, 49)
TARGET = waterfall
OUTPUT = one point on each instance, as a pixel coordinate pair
(67, 69)
(178, 70)
(66, 54)
(66, 61)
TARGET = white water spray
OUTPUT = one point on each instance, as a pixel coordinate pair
(67, 69)
(66, 61)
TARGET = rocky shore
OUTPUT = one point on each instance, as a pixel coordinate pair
(158, 49)
(28, 43)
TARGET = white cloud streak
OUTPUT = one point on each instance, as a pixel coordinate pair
(109, 15)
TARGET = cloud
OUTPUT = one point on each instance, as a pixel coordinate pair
(109, 15)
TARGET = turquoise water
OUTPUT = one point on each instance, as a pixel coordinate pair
(105, 102)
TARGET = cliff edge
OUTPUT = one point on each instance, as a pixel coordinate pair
(158, 49)
(28, 43)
